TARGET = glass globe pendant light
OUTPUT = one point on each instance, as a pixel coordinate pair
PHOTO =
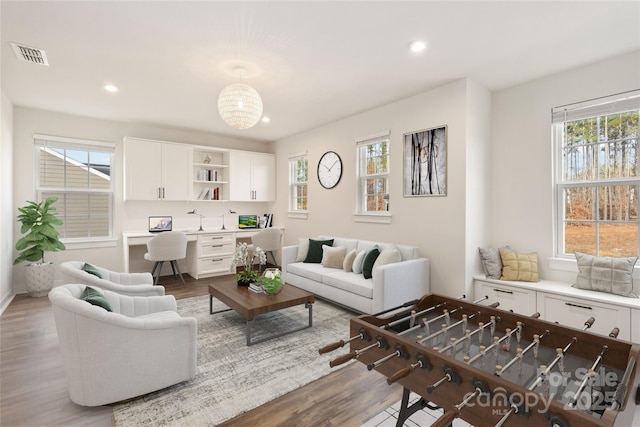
(240, 105)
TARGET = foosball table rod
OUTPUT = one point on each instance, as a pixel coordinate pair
(450, 415)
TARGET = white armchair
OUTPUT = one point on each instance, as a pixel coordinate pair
(132, 284)
(142, 346)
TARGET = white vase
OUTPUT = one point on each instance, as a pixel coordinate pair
(40, 278)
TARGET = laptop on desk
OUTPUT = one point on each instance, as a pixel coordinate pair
(159, 224)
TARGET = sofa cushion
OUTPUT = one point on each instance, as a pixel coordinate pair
(347, 264)
(315, 250)
(303, 249)
(95, 297)
(519, 267)
(357, 262)
(333, 257)
(606, 274)
(311, 271)
(350, 282)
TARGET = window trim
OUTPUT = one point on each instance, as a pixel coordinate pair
(597, 107)
(45, 141)
(292, 212)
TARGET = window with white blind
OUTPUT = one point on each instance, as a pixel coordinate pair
(298, 177)
(79, 173)
(596, 176)
(372, 202)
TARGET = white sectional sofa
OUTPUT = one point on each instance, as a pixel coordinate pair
(391, 285)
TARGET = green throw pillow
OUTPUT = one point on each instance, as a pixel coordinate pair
(314, 254)
(95, 297)
(369, 260)
(91, 270)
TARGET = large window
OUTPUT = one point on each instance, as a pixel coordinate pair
(373, 174)
(298, 177)
(79, 173)
(597, 177)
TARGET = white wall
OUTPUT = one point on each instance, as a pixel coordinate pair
(131, 215)
(521, 175)
(435, 224)
(6, 201)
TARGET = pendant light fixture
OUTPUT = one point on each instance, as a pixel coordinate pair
(240, 105)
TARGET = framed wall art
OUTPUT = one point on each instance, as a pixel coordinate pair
(425, 162)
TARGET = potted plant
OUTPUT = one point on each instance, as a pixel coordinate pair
(244, 257)
(39, 236)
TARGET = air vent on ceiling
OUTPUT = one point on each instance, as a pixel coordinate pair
(30, 54)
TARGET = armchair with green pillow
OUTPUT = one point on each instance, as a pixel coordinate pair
(132, 284)
(363, 275)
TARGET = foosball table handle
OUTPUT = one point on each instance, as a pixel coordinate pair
(399, 375)
(331, 347)
(614, 333)
(446, 419)
(342, 359)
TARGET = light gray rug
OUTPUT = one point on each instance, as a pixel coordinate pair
(233, 378)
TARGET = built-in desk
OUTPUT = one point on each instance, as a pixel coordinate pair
(209, 252)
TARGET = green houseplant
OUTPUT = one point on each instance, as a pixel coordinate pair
(40, 235)
(244, 256)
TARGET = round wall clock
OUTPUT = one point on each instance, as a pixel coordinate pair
(329, 169)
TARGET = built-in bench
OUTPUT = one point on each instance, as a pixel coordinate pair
(560, 302)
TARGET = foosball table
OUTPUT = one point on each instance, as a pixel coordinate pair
(492, 367)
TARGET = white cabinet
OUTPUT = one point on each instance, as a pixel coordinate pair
(156, 170)
(570, 311)
(211, 255)
(520, 301)
(252, 176)
(210, 174)
(635, 325)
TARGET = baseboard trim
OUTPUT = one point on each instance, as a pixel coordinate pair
(5, 302)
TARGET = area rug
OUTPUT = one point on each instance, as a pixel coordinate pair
(233, 378)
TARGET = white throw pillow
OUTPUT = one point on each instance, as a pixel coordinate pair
(303, 249)
(357, 262)
(389, 255)
(333, 256)
(347, 265)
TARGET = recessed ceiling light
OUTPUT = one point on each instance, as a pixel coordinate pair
(417, 46)
(110, 88)
(266, 119)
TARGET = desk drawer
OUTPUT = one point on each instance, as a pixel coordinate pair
(217, 248)
(214, 265)
(517, 300)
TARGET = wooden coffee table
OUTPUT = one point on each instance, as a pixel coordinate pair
(250, 304)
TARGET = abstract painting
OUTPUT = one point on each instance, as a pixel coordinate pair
(425, 162)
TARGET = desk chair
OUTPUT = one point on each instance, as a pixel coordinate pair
(167, 246)
(269, 240)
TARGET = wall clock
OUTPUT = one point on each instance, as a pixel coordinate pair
(329, 169)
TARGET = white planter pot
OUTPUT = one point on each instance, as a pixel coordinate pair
(40, 278)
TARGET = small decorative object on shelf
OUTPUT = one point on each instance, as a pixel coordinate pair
(271, 281)
(207, 158)
(244, 256)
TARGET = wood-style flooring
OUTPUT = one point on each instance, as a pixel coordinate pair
(33, 386)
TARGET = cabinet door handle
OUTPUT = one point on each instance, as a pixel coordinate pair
(578, 305)
(159, 193)
(217, 246)
(217, 238)
(163, 192)
(503, 291)
(216, 259)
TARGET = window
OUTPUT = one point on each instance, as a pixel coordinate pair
(596, 176)
(80, 174)
(298, 177)
(373, 174)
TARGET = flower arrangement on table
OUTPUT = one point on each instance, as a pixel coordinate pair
(244, 256)
(271, 281)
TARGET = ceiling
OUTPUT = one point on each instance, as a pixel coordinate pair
(312, 62)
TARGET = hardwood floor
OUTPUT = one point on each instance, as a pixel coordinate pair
(33, 386)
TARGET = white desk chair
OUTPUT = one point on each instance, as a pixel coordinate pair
(269, 240)
(167, 246)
